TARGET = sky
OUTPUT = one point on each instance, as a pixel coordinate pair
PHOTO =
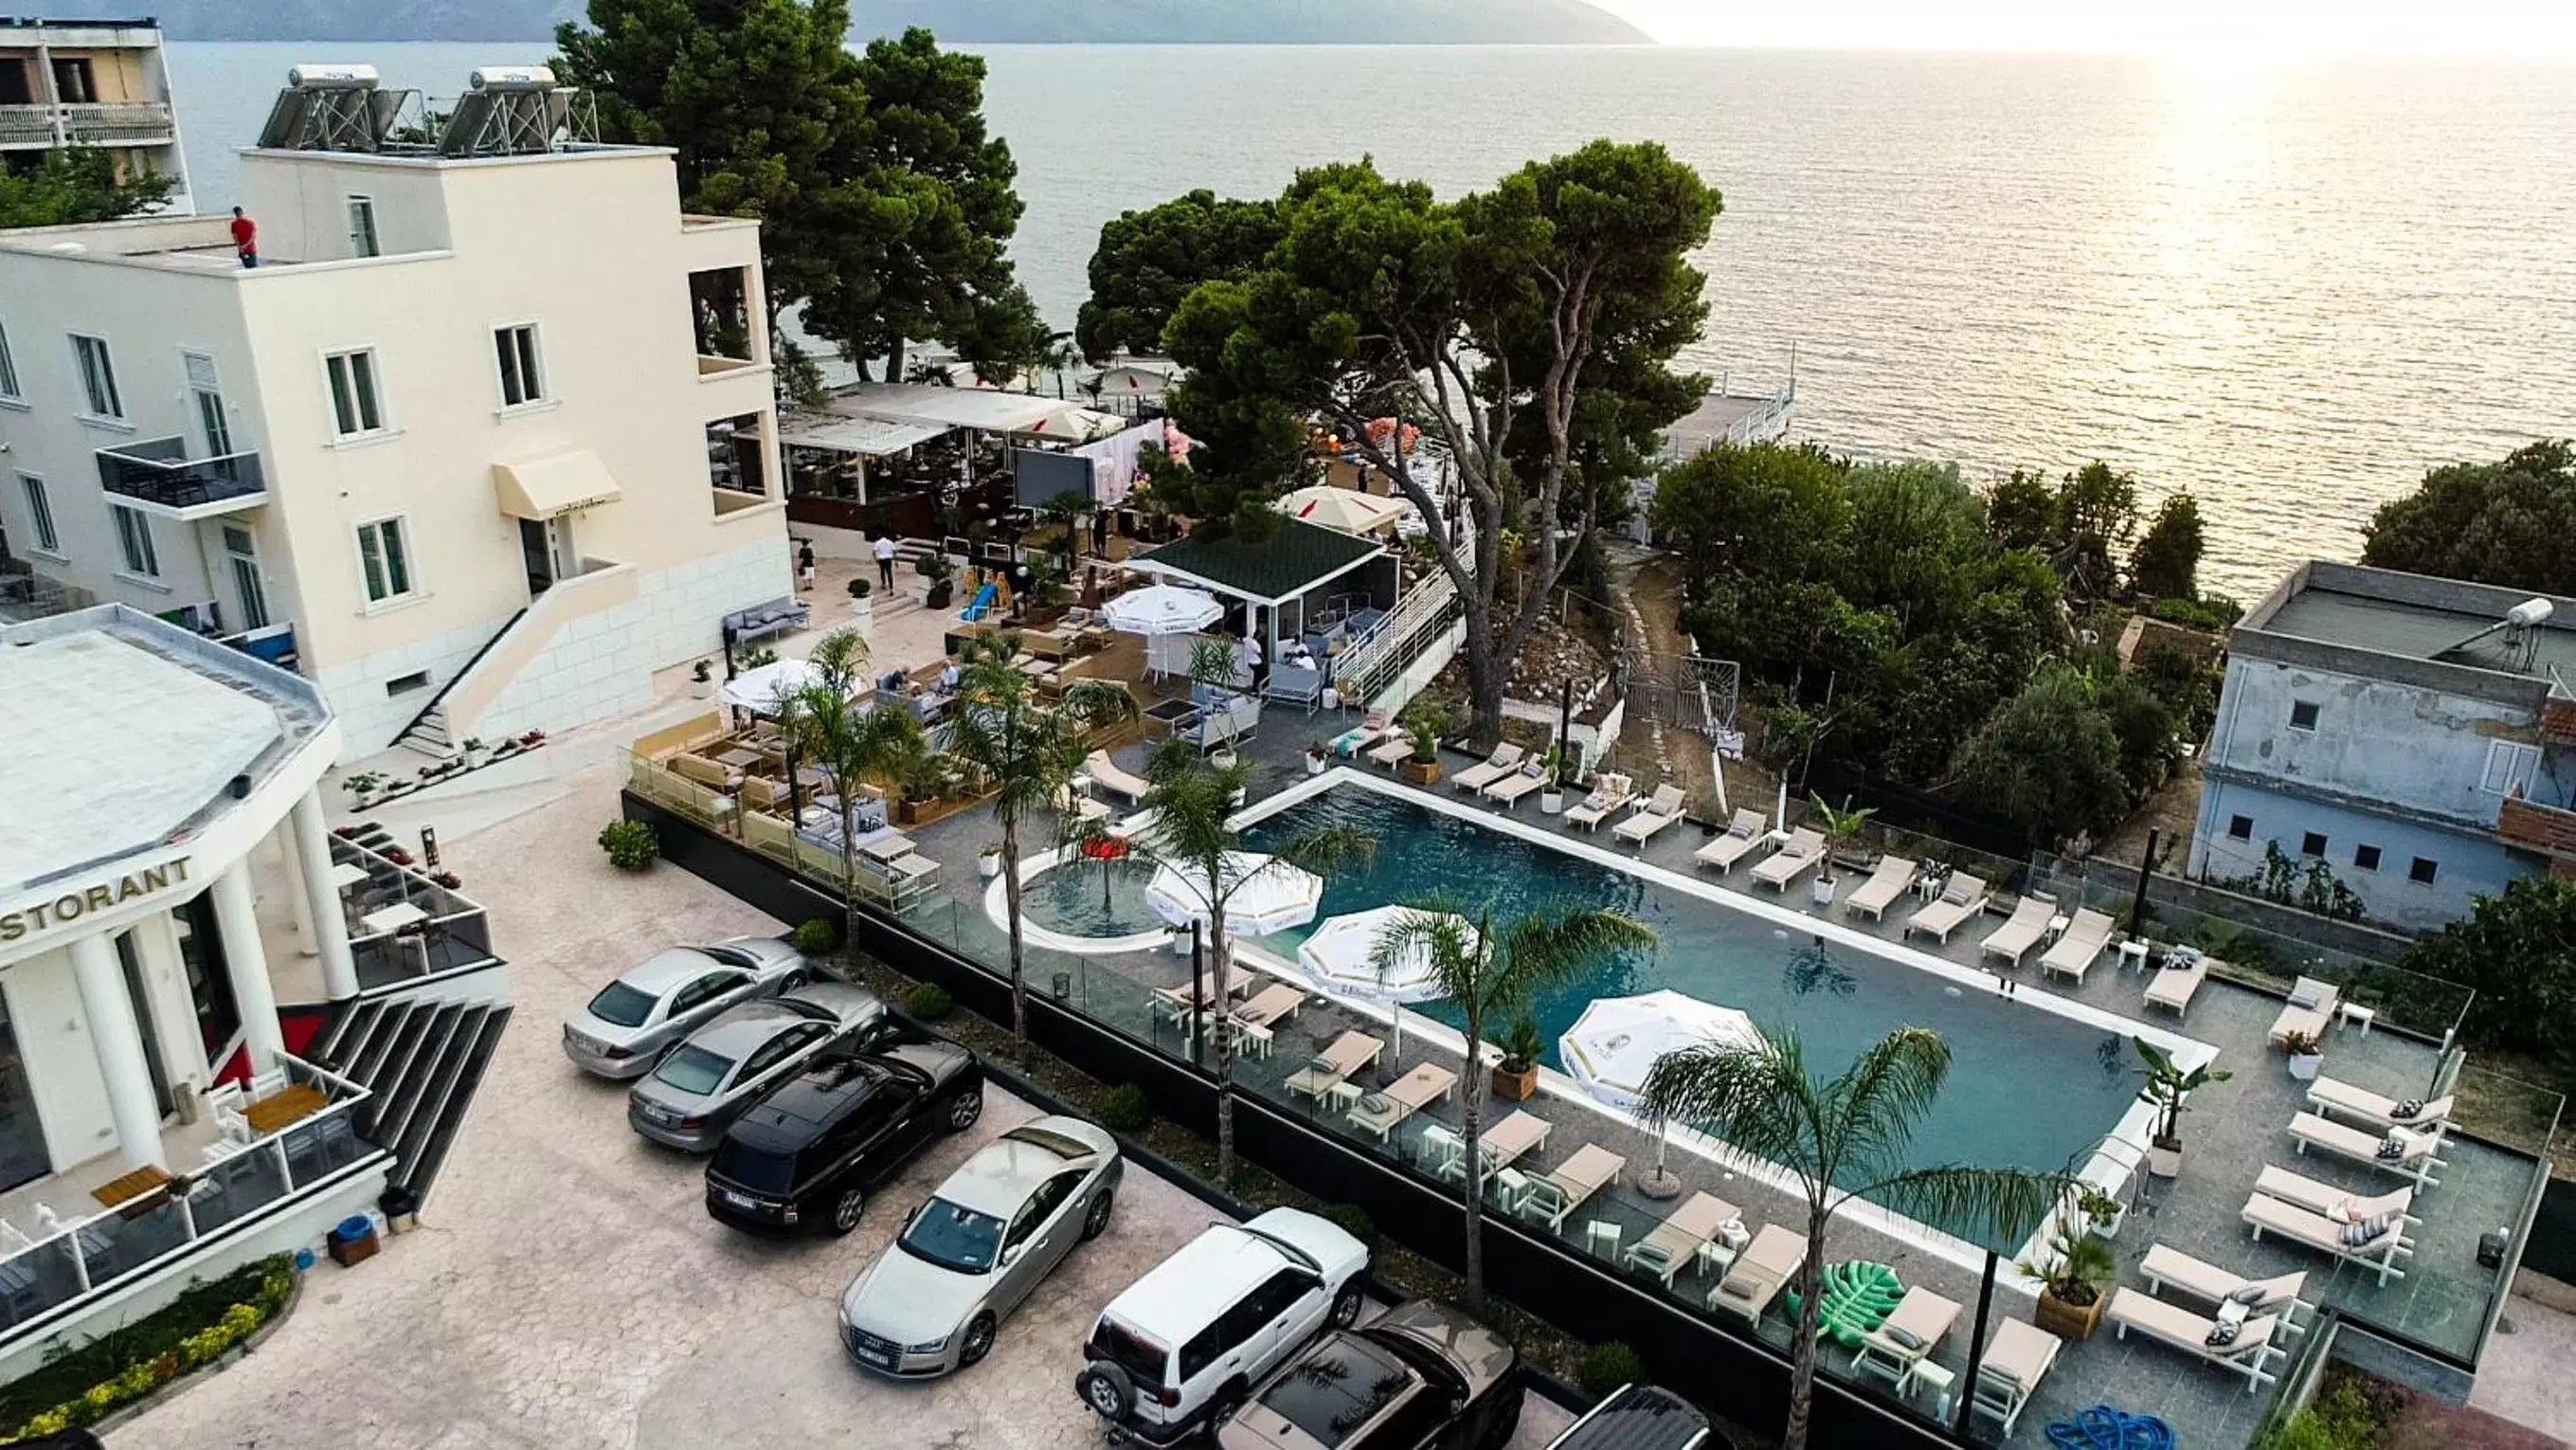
(2219, 29)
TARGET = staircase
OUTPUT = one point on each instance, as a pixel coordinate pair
(1367, 668)
(427, 731)
(422, 1059)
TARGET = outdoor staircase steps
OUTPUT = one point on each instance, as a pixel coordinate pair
(422, 1059)
(419, 1167)
(428, 730)
(402, 1094)
(435, 1100)
(369, 1065)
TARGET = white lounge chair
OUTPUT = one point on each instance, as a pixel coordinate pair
(1392, 751)
(2324, 1233)
(2189, 1332)
(1505, 759)
(1962, 897)
(2338, 1098)
(1920, 1321)
(1082, 808)
(2309, 1011)
(2172, 988)
(1795, 858)
(1508, 791)
(1502, 1145)
(2021, 931)
(2413, 1161)
(1372, 728)
(1759, 1273)
(1556, 1194)
(1893, 878)
(1407, 1095)
(1349, 1053)
(1648, 821)
(2170, 1268)
(1609, 793)
(2074, 954)
(2016, 1360)
(1104, 772)
(1253, 1022)
(1675, 1243)
(1742, 837)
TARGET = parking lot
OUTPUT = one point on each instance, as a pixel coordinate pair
(566, 1289)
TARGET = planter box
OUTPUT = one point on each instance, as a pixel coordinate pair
(1418, 772)
(2304, 1066)
(2066, 1321)
(1551, 803)
(2164, 1160)
(1518, 1087)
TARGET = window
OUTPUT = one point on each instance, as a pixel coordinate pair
(2509, 767)
(2365, 858)
(704, 990)
(2422, 871)
(75, 84)
(8, 371)
(356, 410)
(2312, 844)
(2240, 828)
(98, 377)
(1040, 1207)
(386, 557)
(134, 541)
(362, 227)
(522, 381)
(206, 391)
(2303, 714)
(40, 513)
(405, 684)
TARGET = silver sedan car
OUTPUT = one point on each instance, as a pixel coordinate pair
(702, 1085)
(935, 1298)
(666, 996)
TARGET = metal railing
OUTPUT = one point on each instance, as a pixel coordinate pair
(159, 471)
(87, 123)
(1395, 641)
(454, 932)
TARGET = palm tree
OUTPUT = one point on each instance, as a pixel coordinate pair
(848, 744)
(1841, 1138)
(1028, 752)
(1490, 973)
(1067, 510)
(1188, 811)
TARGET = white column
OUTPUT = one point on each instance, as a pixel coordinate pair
(331, 922)
(246, 965)
(174, 1007)
(118, 1040)
(290, 854)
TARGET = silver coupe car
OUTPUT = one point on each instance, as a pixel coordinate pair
(935, 1298)
(699, 1087)
(668, 995)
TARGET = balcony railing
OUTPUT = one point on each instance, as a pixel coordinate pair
(29, 126)
(159, 472)
(95, 123)
(450, 933)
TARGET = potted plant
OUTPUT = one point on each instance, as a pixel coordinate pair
(2101, 1211)
(1843, 831)
(988, 862)
(759, 656)
(861, 608)
(362, 786)
(1551, 791)
(2167, 1086)
(1424, 720)
(937, 579)
(1516, 1075)
(919, 787)
(475, 751)
(2071, 1285)
(702, 680)
(2306, 1054)
(1317, 757)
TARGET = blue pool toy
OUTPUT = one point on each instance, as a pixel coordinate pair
(981, 606)
(2106, 1428)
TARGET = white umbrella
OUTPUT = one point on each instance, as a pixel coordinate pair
(1263, 894)
(1612, 1047)
(1163, 609)
(1346, 509)
(762, 691)
(1341, 960)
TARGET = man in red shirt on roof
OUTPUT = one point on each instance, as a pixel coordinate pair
(245, 238)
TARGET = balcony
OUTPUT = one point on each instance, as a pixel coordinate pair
(2536, 827)
(159, 477)
(113, 123)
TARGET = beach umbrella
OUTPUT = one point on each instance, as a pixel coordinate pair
(1616, 1041)
(1346, 509)
(1263, 894)
(1163, 609)
(1340, 959)
(764, 690)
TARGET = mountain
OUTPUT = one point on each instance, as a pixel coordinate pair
(962, 22)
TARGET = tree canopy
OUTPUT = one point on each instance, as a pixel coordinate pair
(2166, 564)
(2504, 523)
(79, 185)
(2519, 951)
(1150, 260)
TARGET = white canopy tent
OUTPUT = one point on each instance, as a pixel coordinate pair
(1346, 509)
(1160, 609)
(1263, 894)
(1341, 960)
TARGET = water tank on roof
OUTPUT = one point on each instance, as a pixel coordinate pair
(331, 77)
(512, 78)
(2529, 613)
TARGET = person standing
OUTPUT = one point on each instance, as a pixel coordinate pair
(805, 563)
(885, 560)
(245, 238)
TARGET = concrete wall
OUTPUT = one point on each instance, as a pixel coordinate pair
(60, 1061)
(2469, 864)
(2406, 748)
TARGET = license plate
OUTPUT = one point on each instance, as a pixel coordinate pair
(738, 1200)
(877, 1357)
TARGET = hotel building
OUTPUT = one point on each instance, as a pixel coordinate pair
(101, 84)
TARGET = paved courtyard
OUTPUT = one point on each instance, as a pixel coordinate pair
(566, 1289)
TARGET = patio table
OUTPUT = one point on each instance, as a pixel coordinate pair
(287, 1105)
(347, 874)
(888, 849)
(392, 918)
(741, 758)
(127, 1186)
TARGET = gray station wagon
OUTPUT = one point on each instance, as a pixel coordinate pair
(701, 1086)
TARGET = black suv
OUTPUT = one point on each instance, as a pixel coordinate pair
(808, 1153)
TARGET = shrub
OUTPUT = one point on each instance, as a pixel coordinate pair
(631, 845)
(1606, 1367)
(928, 1002)
(1123, 1109)
(814, 938)
(117, 1368)
(2342, 1418)
(1353, 1220)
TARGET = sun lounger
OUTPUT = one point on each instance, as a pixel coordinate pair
(2170, 1268)
(1504, 1144)
(2013, 940)
(1379, 1113)
(1104, 773)
(1394, 749)
(2173, 987)
(1759, 1273)
(1894, 876)
(2325, 1234)
(2326, 1198)
(1794, 859)
(1505, 759)
(1676, 1242)
(1962, 896)
(1273, 1005)
(1892, 1350)
(1509, 790)
(1742, 837)
(2309, 1011)
(2189, 1332)
(2414, 1159)
(1325, 1071)
(2335, 1097)
(1082, 808)
(2073, 954)
(1561, 1190)
(1609, 793)
(1371, 729)
(2016, 1360)
(1648, 820)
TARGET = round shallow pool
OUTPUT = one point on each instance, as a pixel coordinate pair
(1092, 899)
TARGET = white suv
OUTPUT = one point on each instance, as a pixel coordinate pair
(1182, 1346)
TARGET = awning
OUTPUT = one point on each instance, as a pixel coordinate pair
(868, 437)
(547, 487)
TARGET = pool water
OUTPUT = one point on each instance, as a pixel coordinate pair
(1093, 898)
(2027, 1088)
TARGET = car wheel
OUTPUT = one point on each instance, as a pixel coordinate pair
(1222, 1408)
(978, 1340)
(1096, 1222)
(1346, 1306)
(964, 1109)
(1108, 1390)
(1506, 1422)
(846, 1210)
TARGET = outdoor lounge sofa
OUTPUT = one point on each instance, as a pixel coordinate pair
(1742, 837)
(2074, 954)
(1795, 858)
(2017, 1358)
(1648, 820)
(1506, 758)
(1759, 1273)
(1920, 1321)
(1106, 774)
(1962, 896)
(2414, 1158)
(1381, 1112)
(2174, 1325)
(2309, 1011)
(2335, 1097)
(1893, 877)
(1675, 1243)
(2021, 931)
(1609, 792)
(766, 621)
(2165, 1267)
(1300, 685)
(1557, 1193)
(1349, 1053)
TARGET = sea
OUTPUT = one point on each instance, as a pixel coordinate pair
(2289, 288)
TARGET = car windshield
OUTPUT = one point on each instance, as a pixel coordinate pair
(693, 1069)
(622, 1005)
(758, 1169)
(953, 1237)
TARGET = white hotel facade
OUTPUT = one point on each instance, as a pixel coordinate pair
(479, 445)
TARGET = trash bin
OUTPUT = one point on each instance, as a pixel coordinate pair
(353, 1240)
(401, 1210)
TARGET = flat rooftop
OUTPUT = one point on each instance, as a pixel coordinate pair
(2415, 617)
(119, 732)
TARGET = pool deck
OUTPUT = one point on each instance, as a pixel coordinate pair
(2232, 1130)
